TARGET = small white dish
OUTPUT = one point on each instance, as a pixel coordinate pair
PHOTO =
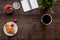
(16, 5)
(15, 27)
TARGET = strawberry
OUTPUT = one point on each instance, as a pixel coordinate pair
(15, 20)
(12, 25)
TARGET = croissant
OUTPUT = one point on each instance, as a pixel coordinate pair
(9, 29)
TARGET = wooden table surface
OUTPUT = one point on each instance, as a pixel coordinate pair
(29, 23)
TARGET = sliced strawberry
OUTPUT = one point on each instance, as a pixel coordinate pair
(8, 7)
(12, 25)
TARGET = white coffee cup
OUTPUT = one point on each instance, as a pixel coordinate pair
(46, 19)
(16, 5)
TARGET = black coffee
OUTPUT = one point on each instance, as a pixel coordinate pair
(46, 19)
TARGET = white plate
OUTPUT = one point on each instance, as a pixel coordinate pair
(15, 27)
(16, 5)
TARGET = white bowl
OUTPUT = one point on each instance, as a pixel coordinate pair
(16, 5)
(7, 6)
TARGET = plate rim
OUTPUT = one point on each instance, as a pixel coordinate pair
(8, 33)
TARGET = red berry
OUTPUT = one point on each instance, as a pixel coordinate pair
(12, 25)
(7, 9)
(15, 20)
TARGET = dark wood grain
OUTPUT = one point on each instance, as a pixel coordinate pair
(29, 23)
